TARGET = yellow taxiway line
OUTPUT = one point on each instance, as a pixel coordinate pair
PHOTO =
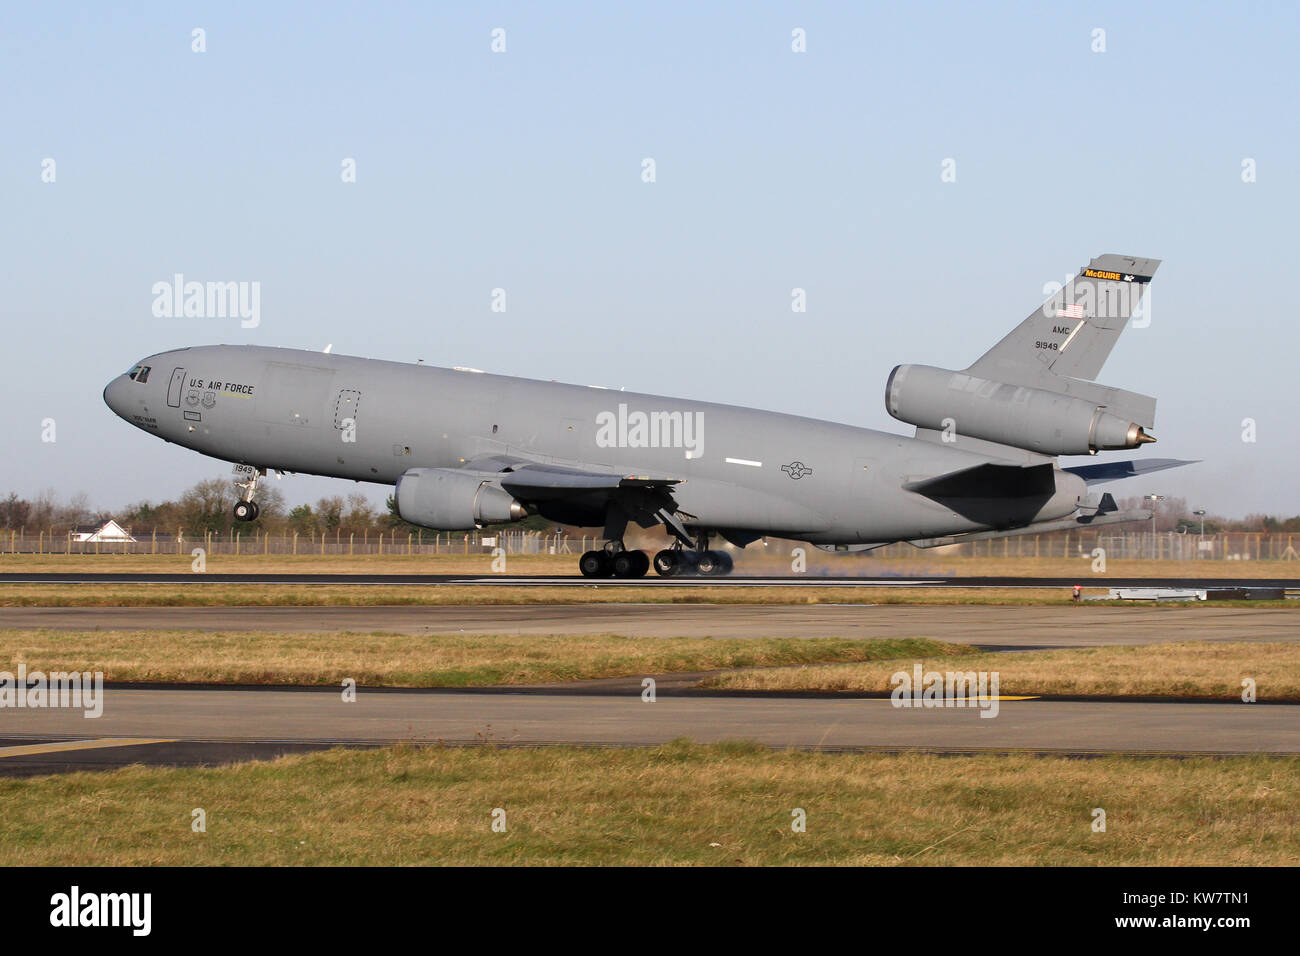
(58, 746)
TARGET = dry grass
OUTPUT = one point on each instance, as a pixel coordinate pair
(403, 660)
(325, 595)
(1193, 669)
(479, 561)
(751, 561)
(679, 804)
(330, 595)
(222, 595)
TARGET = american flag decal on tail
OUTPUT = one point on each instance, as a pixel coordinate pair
(1070, 312)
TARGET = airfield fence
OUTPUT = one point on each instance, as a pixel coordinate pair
(1235, 545)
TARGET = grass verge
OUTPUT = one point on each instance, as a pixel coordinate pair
(1191, 669)
(679, 804)
(405, 660)
(916, 563)
(202, 594)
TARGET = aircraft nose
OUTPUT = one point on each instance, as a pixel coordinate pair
(113, 394)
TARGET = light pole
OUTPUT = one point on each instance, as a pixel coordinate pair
(1153, 499)
(1201, 538)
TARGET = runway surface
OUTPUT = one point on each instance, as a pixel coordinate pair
(184, 724)
(985, 625)
(575, 580)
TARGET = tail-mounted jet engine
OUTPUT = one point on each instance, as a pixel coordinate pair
(1031, 418)
(449, 499)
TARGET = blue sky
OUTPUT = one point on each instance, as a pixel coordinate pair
(774, 170)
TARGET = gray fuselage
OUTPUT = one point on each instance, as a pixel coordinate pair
(740, 469)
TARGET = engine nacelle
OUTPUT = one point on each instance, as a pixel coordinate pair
(1030, 418)
(449, 499)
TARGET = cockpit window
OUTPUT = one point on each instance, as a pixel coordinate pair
(139, 374)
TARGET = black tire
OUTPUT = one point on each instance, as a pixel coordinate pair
(245, 511)
(642, 564)
(706, 562)
(725, 564)
(257, 511)
(667, 563)
(624, 564)
(594, 564)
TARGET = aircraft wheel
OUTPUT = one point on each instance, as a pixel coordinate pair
(706, 562)
(667, 563)
(595, 564)
(628, 564)
(245, 511)
(725, 564)
(642, 564)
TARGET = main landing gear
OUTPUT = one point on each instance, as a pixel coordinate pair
(684, 557)
(679, 559)
(614, 560)
(246, 508)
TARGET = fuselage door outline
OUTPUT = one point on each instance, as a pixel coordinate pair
(174, 388)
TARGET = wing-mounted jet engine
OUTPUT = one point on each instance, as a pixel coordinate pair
(452, 499)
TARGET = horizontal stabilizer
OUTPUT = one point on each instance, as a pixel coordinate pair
(1114, 470)
(852, 548)
(1042, 527)
(989, 481)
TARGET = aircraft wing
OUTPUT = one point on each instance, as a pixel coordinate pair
(583, 496)
(535, 480)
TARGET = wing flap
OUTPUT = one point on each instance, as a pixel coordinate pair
(530, 481)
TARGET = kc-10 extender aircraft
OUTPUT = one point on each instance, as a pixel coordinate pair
(467, 449)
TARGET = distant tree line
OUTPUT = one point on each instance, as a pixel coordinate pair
(206, 507)
(1175, 514)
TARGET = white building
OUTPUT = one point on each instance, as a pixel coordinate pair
(110, 530)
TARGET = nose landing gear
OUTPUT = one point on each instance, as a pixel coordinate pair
(246, 511)
(246, 508)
